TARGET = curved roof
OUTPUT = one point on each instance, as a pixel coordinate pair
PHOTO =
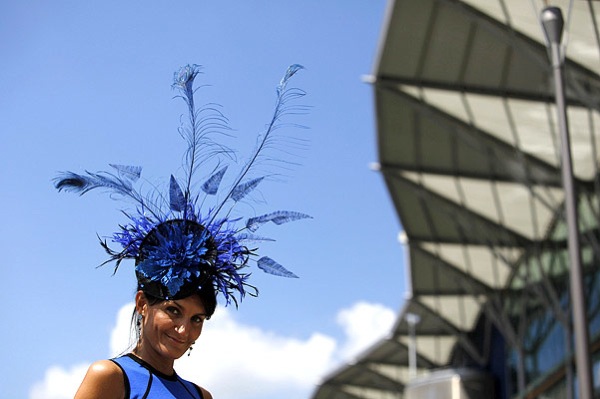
(469, 149)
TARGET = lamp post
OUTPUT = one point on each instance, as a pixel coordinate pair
(553, 24)
(412, 320)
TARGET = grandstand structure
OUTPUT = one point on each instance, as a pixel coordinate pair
(469, 147)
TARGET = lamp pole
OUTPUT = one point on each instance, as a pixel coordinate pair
(553, 24)
(412, 320)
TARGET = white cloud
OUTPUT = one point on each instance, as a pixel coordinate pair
(234, 360)
(364, 324)
(59, 383)
(121, 340)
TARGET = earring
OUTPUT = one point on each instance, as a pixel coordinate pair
(139, 324)
(191, 347)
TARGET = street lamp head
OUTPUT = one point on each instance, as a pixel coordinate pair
(553, 23)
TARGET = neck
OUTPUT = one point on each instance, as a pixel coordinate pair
(160, 363)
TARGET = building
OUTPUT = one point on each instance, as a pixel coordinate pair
(469, 148)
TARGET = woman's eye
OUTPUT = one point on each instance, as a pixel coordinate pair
(173, 310)
(198, 319)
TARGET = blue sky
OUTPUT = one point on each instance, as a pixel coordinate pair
(85, 84)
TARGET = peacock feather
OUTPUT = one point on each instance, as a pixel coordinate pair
(219, 245)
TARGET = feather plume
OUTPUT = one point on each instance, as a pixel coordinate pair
(241, 190)
(131, 173)
(187, 240)
(177, 199)
(268, 265)
(203, 123)
(82, 184)
(278, 217)
(251, 237)
(282, 107)
(211, 186)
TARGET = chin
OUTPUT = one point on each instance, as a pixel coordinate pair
(171, 352)
(175, 353)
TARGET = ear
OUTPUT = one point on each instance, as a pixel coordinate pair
(141, 303)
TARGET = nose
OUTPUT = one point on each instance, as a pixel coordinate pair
(183, 329)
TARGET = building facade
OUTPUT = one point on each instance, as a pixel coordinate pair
(470, 149)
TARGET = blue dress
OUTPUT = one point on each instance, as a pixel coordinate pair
(144, 381)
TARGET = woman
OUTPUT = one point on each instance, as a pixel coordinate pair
(186, 250)
(169, 320)
(168, 329)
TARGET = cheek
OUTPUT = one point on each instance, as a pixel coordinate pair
(198, 331)
(159, 321)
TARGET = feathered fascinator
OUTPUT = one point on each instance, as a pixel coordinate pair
(178, 246)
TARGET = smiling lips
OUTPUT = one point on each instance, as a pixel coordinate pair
(177, 341)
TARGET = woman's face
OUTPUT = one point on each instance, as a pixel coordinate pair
(169, 328)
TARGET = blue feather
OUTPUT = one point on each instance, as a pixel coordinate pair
(73, 182)
(265, 141)
(202, 124)
(268, 265)
(131, 173)
(198, 131)
(241, 190)
(251, 237)
(278, 217)
(211, 186)
(291, 71)
(177, 200)
(120, 185)
(81, 184)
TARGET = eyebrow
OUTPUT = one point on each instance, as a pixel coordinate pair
(180, 307)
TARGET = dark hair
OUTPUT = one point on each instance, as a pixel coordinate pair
(206, 293)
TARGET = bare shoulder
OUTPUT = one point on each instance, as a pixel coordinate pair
(104, 379)
(205, 394)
